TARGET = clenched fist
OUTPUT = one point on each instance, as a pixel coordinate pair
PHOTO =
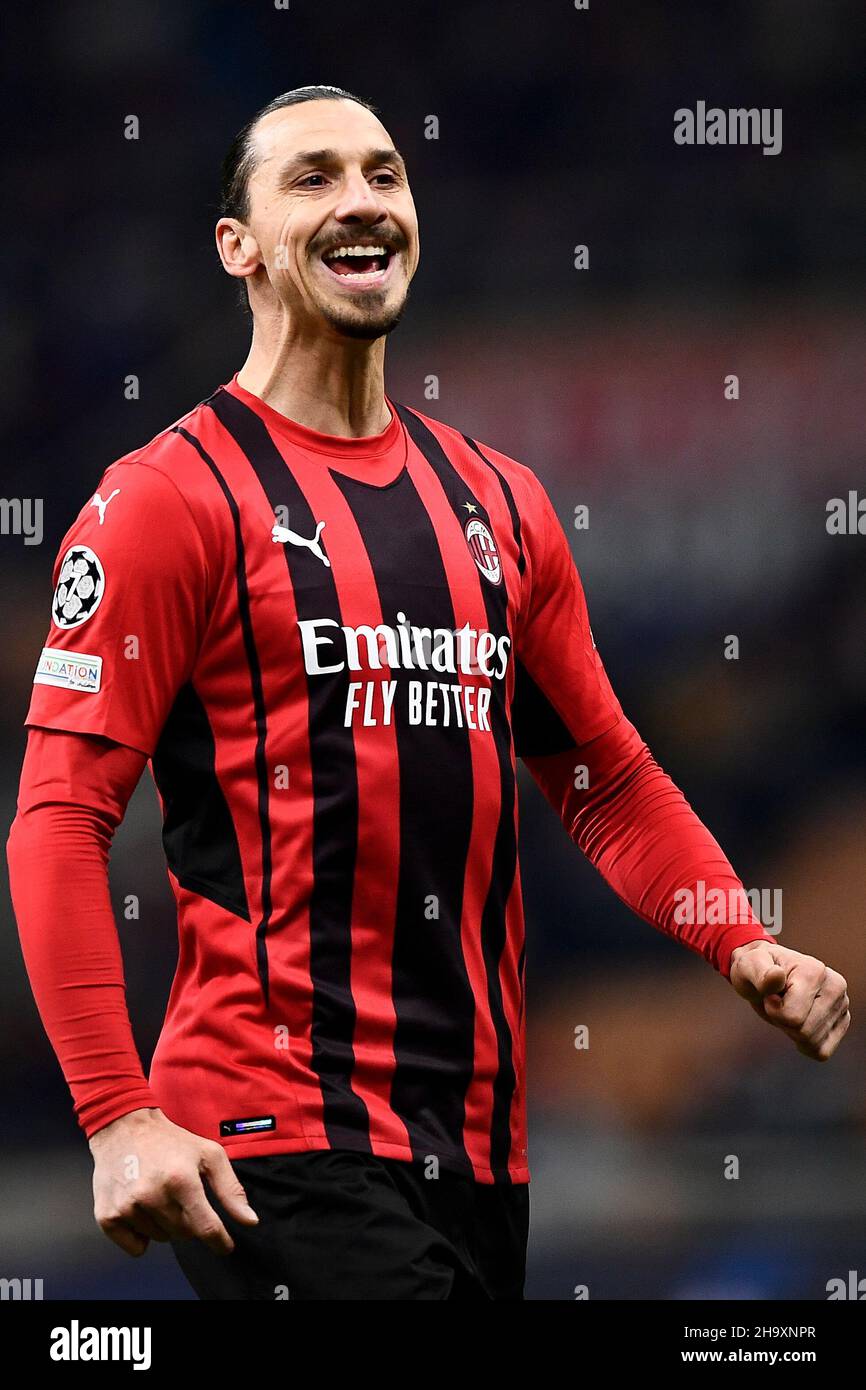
(797, 993)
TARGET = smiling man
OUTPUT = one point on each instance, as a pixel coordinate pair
(330, 624)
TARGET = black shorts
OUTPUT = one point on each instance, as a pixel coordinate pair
(341, 1225)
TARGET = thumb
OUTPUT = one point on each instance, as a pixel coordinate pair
(227, 1189)
(757, 973)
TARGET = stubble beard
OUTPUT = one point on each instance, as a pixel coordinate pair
(364, 322)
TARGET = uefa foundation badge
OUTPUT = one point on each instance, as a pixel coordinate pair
(79, 588)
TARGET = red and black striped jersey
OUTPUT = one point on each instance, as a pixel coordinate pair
(332, 651)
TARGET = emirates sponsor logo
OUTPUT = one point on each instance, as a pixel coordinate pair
(330, 647)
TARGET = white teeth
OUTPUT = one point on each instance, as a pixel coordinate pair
(356, 251)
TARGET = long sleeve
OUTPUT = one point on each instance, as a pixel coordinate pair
(128, 613)
(624, 812)
(636, 827)
(73, 793)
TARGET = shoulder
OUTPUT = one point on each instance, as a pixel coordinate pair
(166, 479)
(170, 460)
(160, 495)
(524, 484)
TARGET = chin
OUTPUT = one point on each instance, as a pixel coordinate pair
(368, 331)
(364, 325)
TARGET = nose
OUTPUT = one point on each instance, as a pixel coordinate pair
(359, 202)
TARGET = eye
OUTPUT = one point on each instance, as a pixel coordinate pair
(388, 175)
(307, 177)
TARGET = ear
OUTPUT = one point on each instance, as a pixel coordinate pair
(237, 248)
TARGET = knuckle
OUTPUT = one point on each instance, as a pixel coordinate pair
(175, 1177)
(208, 1230)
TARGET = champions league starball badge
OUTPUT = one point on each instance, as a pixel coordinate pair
(79, 588)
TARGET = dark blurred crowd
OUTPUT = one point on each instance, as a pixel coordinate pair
(706, 519)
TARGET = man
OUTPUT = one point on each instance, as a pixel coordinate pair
(329, 624)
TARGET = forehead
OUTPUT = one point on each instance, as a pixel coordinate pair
(341, 125)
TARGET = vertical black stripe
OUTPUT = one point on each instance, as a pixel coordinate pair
(198, 833)
(335, 790)
(521, 970)
(509, 499)
(258, 709)
(537, 727)
(433, 1001)
(504, 866)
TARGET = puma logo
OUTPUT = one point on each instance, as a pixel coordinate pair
(97, 501)
(281, 535)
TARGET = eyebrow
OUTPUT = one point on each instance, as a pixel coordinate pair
(306, 159)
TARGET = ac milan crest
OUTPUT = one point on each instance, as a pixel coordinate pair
(483, 549)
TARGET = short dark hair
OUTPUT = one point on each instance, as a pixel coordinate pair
(239, 162)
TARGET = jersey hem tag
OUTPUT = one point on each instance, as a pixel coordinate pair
(253, 1125)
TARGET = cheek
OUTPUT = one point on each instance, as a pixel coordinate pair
(286, 260)
(412, 233)
(290, 249)
(284, 236)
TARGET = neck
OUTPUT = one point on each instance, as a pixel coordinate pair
(327, 382)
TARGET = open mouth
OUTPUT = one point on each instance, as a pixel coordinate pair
(365, 263)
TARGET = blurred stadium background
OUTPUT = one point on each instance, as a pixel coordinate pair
(707, 518)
